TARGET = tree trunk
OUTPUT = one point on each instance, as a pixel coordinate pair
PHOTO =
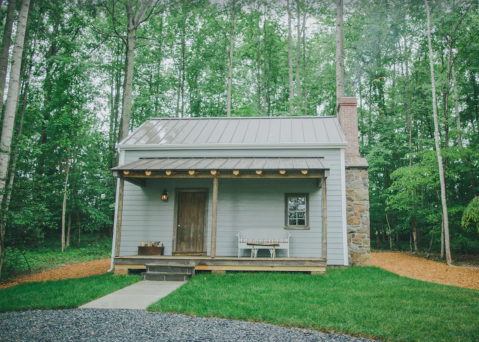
(52, 52)
(128, 85)
(414, 235)
(456, 107)
(182, 81)
(258, 66)
(437, 142)
(179, 96)
(442, 239)
(113, 110)
(290, 60)
(305, 89)
(6, 41)
(390, 232)
(79, 228)
(67, 244)
(339, 51)
(298, 54)
(230, 66)
(11, 177)
(12, 99)
(133, 22)
(65, 193)
(114, 158)
(265, 69)
(407, 104)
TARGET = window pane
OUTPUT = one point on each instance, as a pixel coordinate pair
(293, 203)
(302, 203)
(301, 222)
(300, 215)
(292, 222)
(292, 215)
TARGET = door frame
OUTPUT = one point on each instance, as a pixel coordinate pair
(175, 217)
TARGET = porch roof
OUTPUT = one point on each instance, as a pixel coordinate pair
(201, 164)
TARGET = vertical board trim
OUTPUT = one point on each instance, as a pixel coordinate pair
(343, 211)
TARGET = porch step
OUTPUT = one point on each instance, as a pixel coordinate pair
(160, 272)
(166, 276)
(177, 269)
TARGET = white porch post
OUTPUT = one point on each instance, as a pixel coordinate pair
(119, 216)
(214, 218)
(324, 248)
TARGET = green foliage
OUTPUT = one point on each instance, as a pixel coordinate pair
(359, 301)
(471, 214)
(61, 294)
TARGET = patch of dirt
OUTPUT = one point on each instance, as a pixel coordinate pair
(85, 269)
(427, 270)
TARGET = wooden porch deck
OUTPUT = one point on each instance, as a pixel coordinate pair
(223, 264)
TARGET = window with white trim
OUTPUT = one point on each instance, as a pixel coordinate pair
(296, 211)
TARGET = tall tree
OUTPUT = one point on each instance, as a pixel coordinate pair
(6, 40)
(65, 195)
(437, 142)
(298, 51)
(135, 17)
(11, 109)
(230, 64)
(339, 51)
(290, 59)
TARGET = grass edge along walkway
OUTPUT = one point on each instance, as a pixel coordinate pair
(367, 302)
(62, 294)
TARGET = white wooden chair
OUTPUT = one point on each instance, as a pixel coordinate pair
(279, 236)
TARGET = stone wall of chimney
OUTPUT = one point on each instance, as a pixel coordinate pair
(357, 187)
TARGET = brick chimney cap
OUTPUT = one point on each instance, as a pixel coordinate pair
(347, 101)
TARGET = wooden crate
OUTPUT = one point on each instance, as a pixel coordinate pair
(150, 250)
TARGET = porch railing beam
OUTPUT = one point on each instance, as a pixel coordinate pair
(214, 219)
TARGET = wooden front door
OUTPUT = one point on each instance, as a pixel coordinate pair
(191, 222)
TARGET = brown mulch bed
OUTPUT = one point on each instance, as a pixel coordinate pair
(85, 269)
(427, 270)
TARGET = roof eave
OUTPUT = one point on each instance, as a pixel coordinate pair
(149, 147)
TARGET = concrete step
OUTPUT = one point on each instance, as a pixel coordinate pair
(170, 269)
(166, 276)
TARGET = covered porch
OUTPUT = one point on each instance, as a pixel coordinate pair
(223, 264)
(311, 173)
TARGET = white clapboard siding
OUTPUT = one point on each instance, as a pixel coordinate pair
(242, 204)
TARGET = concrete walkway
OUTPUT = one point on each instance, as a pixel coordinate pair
(137, 296)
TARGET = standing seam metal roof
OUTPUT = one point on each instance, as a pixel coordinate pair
(157, 164)
(237, 131)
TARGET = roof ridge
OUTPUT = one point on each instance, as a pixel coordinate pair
(245, 117)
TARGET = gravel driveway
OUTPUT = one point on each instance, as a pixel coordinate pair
(135, 325)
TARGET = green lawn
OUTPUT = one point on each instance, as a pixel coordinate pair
(61, 294)
(359, 301)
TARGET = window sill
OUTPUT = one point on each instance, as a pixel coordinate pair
(297, 228)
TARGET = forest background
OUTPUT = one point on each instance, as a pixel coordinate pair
(87, 67)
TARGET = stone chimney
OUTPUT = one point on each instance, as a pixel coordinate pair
(357, 186)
